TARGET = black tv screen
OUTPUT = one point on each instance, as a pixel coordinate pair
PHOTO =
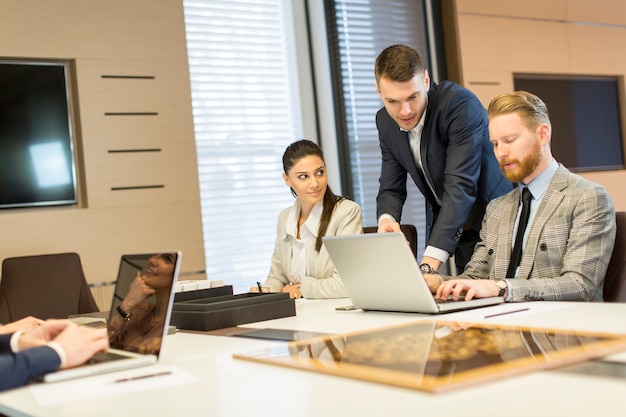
(586, 118)
(36, 147)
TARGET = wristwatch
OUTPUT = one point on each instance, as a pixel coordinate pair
(427, 269)
(502, 287)
(126, 316)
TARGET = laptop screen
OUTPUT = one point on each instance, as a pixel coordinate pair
(142, 300)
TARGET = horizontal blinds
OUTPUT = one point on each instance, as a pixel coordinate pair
(364, 29)
(245, 108)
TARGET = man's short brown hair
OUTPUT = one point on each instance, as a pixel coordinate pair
(398, 63)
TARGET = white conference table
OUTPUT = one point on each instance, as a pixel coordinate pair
(206, 380)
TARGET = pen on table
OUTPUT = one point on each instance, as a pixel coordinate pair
(506, 312)
(134, 378)
(258, 284)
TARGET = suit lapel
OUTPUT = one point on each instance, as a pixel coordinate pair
(510, 205)
(423, 152)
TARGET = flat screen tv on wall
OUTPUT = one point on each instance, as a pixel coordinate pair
(586, 118)
(37, 165)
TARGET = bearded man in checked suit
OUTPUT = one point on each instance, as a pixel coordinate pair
(570, 234)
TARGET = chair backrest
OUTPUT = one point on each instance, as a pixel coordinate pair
(409, 230)
(615, 279)
(44, 286)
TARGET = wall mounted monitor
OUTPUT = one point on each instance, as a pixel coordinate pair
(37, 166)
(586, 118)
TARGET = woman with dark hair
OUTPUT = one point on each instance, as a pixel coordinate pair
(301, 265)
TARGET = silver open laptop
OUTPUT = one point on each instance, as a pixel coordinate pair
(126, 342)
(380, 272)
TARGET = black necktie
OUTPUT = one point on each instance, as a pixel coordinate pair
(516, 255)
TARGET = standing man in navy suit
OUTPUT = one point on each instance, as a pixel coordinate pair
(438, 134)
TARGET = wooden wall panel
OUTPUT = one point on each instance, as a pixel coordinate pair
(598, 49)
(501, 44)
(536, 9)
(114, 38)
(102, 29)
(612, 12)
(139, 127)
(488, 83)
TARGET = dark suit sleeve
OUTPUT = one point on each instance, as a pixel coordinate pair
(17, 369)
(460, 121)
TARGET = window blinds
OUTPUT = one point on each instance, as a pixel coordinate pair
(246, 111)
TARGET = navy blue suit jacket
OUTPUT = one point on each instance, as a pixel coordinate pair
(458, 161)
(17, 369)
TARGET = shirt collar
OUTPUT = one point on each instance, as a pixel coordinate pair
(312, 222)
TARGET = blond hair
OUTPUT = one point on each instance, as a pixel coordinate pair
(530, 108)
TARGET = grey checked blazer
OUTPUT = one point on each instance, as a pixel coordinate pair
(568, 246)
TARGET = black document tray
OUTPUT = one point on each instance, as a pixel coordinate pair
(231, 310)
(203, 293)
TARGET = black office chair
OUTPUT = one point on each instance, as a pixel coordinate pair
(44, 286)
(615, 279)
(409, 230)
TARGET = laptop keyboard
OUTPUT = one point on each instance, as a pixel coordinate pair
(105, 357)
(449, 300)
